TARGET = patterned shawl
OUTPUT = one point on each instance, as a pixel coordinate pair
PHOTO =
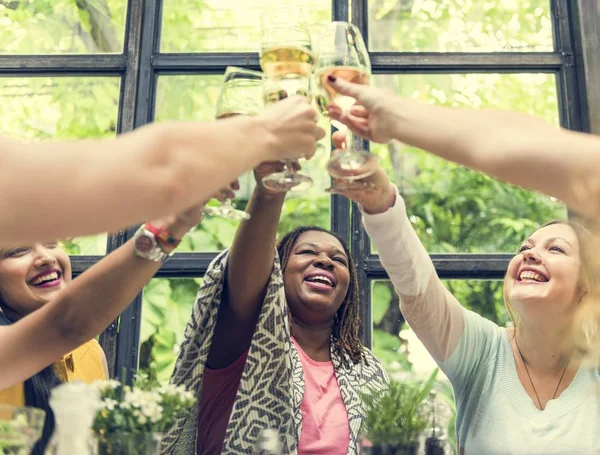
(272, 384)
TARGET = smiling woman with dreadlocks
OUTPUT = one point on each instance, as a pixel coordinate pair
(273, 343)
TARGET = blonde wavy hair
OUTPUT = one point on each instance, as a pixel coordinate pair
(586, 320)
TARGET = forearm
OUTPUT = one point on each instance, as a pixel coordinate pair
(432, 312)
(514, 147)
(252, 254)
(88, 305)
(85, 187)
(404, 257)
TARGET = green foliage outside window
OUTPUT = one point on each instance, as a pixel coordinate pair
(452, 209)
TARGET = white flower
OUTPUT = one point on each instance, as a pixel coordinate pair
(110, 404)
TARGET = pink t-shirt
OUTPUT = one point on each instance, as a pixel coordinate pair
(325, 427)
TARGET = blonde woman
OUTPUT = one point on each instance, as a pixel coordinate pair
(517, 390)
(514, 147)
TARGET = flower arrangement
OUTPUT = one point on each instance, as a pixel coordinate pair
(134, 417)
(20, 428)
(12, 436)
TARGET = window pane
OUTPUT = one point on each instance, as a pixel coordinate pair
(391, 334)
(89, 245)
(61, 108)
(402, 353)
(65, 27)
(226, 25)
(460, 26)
(194, 98)
(166, 307)
(452, 208)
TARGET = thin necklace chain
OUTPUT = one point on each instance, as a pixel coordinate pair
(531, 380)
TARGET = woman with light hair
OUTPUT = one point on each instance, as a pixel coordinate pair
(526, 381)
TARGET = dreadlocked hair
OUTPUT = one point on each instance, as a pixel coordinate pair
(346, 322)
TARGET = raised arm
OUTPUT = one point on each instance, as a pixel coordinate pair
(80, 312)
(432, 312)
(514, 147)
(249, 267)
(89, 186)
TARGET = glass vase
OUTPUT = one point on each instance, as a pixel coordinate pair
(123, 443)
(20, 428)
(75, 405)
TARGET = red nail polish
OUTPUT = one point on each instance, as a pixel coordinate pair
(331, 78)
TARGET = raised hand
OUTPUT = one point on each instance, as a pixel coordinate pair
(291, 127)
(227, 192)
(267, 168)
(372, 117)
(377, 199)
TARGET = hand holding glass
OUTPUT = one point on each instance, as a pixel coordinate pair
(342, 53)
(287, 61)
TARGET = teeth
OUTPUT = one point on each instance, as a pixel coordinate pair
(321, 278)
(49, 277)
(529, 275)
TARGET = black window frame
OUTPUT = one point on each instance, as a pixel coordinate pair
(575, 60)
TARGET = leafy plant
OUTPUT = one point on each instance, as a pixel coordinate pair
(395, 415)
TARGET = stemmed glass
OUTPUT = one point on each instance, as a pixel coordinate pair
(241, 94)
(342, 53)
(287, 61)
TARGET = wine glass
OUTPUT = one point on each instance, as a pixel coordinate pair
(342, 53)
(288, 179)
(241, 94)
(286, 59)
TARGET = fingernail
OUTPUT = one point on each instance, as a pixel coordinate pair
(331, 78)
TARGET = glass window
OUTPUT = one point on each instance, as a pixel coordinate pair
(460, 26)
(402, 353)
(65, 27)
(61, 108)
(194, 98)
(89, 245)
(166, 307)
(226, 25)
(397, 346)
(452, 208)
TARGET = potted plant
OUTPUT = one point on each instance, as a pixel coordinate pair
(395, 417)
(133, 419)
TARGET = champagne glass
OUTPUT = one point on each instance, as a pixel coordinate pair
(241, 94)
(342, 53)
(287, 61)
(288, 179)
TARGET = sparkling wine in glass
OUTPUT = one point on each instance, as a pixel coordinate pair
(287, 61)
(241, 94)
(288, 179)
(342, 53)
